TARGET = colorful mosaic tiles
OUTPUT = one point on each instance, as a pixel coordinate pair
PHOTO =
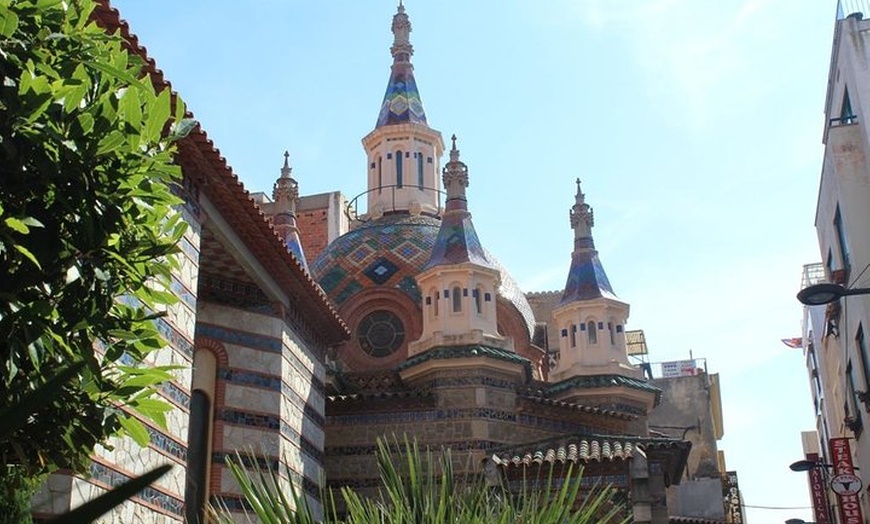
(174, 337)
(457, 242)
(272, 382)
(167, 444)
(271, 422)
(402, 103)
(475, 351)
(241, 338)
(380, 252)
(112, 478)
(391, 251)
(586, 279)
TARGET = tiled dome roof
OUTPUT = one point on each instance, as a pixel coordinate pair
(391, 251)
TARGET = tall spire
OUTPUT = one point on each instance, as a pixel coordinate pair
(586, 277)
(285, 194)
(457, 241)
(402, 103)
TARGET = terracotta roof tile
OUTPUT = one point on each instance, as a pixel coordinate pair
(581, 450)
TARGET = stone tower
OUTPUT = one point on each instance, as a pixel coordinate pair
(459, 282)
(403, 152)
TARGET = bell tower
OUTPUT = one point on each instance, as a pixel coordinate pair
(403, 153)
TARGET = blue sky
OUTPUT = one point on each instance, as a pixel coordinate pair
(694, 126)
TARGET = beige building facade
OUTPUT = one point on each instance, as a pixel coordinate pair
(835, 335)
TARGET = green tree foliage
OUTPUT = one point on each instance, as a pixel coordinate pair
(88, 233)
(418, 488)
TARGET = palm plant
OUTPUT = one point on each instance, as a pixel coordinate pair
(419, 488)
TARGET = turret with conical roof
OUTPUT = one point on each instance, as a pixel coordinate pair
(586, 278)
(459, 283)
(590, 318)
(285, 194)
(403, 152)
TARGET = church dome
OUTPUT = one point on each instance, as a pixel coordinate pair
(390, 252)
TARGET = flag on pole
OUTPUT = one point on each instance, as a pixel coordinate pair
(794, 343)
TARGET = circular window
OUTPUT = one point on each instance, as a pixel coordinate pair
(380, 333)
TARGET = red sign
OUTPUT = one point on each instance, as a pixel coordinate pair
(818, 491)
(850, 504)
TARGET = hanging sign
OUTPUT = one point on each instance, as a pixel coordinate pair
(845, 483)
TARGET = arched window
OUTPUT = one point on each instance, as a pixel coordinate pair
(457, 299)
(478, 300)
(399, 161)
(612, 335)
(434, 295)
(420, 170)
(572, 333)
(591, 332)
(380, 173)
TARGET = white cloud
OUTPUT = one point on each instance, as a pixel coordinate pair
(692, 53)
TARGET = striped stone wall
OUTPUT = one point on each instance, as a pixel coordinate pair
(269, 399)
(121, 458)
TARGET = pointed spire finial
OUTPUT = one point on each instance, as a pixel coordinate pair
(579, 197)
(286, 190)
(582, 219)
(286, 170)
(455, 178)
(402, 48)
(454, 153)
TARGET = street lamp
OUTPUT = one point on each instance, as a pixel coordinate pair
(806, 465)
(824, 293)
(819, 484)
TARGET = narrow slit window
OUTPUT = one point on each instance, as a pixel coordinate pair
(420, 170)
(592, 332)
(399, 161)
(457, 300)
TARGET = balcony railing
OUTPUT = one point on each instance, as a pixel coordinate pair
(351, 210)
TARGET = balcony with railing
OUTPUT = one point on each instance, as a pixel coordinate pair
(391, 204)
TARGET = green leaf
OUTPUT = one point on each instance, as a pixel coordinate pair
(92, 510)
(135, 429)
(158, 115)
(17, 415)
(45, 4)
(26, 252)
(8, 21)
(131, 111)
(110, 142)
(17, 225)
(116, 72)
